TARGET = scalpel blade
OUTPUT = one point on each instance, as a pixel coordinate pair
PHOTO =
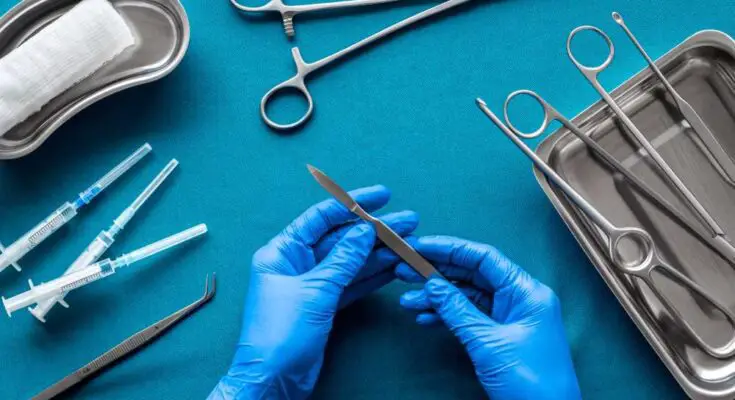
(391, 239)
(335, 190)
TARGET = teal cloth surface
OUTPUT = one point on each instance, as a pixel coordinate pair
(402, 114)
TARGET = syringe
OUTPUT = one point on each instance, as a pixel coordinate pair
(11, 254)
(95, 272)
(104, 240)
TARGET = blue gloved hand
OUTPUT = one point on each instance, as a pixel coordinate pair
(321, 262)
(513, 332)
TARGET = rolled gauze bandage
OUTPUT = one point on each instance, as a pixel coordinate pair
(62, 54)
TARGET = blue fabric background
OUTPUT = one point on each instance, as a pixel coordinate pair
(400, 113)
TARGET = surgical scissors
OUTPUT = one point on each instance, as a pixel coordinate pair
(303, 69)
(719, 243)
(288, 12)
(591, 73)
(620, 239)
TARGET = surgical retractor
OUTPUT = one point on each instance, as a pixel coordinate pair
(14, 252)
(63, 285)
(104, 240)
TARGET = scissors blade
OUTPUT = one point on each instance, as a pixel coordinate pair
(389, 237)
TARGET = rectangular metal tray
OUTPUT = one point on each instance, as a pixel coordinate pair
(702, 69)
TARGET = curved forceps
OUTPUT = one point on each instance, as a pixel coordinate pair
(303, 69)
(591, 74)
(288, 12)
(641, 267)
(128, 346)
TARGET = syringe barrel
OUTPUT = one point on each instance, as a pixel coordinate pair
(37, 234)
(84, 276)
(86, 196)
(129, 212)
(58, 286)
(160, 246)
(94, 251)
(22, 300)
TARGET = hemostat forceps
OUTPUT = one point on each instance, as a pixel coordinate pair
(303, 69)
(719, 243)
(621, 239)
(288, 12)
(591, 74)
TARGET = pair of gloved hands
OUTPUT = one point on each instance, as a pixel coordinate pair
(509, 323)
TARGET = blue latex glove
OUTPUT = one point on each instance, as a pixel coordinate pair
(513, 332)
(321, 262)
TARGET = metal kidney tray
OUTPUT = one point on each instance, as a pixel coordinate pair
(161, 29)
(702, 69)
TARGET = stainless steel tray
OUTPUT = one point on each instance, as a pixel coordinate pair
(703, 71)
(161, 29)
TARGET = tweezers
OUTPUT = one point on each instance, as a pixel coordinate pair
(127, 347)
(391, 239)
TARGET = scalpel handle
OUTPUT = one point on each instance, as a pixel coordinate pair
(404, 250)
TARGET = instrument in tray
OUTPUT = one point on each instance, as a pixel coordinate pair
(622, 241)
(591, 73)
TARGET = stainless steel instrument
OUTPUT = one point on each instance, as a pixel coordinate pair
(702, 69)
(384, 232)
(719, 155)
(129, 346)
(591, 74)
(631, 249)
(303, 69)
(288, 12)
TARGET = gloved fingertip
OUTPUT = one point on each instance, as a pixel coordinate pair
(379, 188)
(361, 229)
(407, 274)
(412, 241)
(436, 285)
(410, 297)
(411, 216)
(427, 319)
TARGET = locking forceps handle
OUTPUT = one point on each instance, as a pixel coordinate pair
(288, 12)
(295, 84)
